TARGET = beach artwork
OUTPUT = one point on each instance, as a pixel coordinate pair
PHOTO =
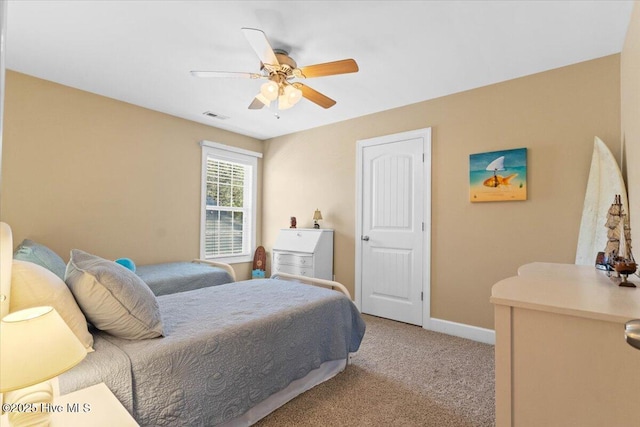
(498, 176)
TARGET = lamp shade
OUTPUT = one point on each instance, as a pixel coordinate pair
(283, 102)
(270, 90)
(317, 215)
(293, 94)
(36, 345)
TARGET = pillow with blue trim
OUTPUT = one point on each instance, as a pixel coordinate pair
(39, 254)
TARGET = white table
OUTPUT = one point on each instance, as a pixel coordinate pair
(93, 406)
(561, 355)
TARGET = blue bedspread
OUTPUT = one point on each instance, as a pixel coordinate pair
(227, 348)
(172, 277)
(107, 364)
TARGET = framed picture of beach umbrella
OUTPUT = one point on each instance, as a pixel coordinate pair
(498, 176)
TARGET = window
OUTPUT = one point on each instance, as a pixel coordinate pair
(229, 182)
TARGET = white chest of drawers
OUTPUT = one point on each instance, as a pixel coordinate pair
(305, 252)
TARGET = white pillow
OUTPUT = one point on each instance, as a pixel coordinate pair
(113, 298)
(33, 285)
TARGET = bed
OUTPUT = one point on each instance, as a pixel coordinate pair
(171, 277)
(162, 278)
(228, 355)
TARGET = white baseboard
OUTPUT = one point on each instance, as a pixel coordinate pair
(487, 336)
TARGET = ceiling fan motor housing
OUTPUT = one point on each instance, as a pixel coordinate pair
(285, 67)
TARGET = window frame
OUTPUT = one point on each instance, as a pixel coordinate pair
(236, 155)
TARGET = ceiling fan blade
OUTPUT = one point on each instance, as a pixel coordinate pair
(315, 96)
(227, 74)
(256, 104)
(260, 45)
(330, 68)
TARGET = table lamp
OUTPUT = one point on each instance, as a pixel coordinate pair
(36, 345)
(317, 215)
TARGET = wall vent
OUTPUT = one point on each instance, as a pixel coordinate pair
(215, 116)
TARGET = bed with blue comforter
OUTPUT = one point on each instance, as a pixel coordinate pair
(171, 277)
(225, 354)
(225, 350)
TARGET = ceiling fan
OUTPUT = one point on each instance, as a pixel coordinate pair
(280, 70)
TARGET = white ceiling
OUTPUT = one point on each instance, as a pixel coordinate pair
(141, 52)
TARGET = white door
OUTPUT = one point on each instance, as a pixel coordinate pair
(393, 229)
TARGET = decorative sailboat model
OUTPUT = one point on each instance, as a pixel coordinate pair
(618, 254)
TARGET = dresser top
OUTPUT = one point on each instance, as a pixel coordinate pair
(307, 240)
(576, 290)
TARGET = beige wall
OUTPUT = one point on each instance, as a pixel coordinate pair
(554, 114)
(88, 172)
(80, 170)
(630, 118)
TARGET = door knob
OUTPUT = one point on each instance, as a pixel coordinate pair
(365, 238)
(632, 333)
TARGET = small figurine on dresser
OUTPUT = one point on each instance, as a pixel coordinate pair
(293, 222)
(617, 254)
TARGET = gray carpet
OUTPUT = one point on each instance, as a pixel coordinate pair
(402, 375)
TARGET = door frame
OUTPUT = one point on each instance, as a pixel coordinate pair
(425, 134)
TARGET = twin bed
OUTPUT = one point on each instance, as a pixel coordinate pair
(229, 354)
(172, 277)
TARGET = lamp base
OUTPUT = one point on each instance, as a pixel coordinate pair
(31, 405)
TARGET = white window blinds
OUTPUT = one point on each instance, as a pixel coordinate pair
(226, 208)
(229, 185)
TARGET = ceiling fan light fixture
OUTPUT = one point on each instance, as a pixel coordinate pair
(270, 90)
(283, 102)
(293, 94)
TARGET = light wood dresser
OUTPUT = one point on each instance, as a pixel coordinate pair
(561, 355)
